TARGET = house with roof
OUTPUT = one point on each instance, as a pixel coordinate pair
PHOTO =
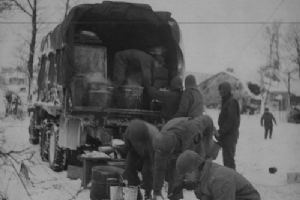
(240, 90)
(279, 97)
(14, 80)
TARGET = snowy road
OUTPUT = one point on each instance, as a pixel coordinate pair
(254, 156)
(37, 181)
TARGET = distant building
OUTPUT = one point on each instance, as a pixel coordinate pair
(240, 90)
(278, 98)
(14, 80)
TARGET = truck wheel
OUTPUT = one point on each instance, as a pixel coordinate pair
(44, 145)
(57, 156)
(33, 136)
(33, 133)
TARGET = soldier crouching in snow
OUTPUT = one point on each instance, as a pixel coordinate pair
(211, 181)
(178, 135)
(139, 139)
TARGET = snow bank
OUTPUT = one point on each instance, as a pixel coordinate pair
(254, 156)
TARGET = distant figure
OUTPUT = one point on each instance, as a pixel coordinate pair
(267, 120)
(229, 122)
(211, 181)
(191, 103)
(169, 99)
(16, 102)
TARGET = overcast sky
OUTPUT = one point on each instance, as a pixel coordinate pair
(216, 33)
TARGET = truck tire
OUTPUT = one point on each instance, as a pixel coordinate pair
(57, 155)
(44, 144)
(33, 133)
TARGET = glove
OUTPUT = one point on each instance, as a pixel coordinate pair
(217, 135)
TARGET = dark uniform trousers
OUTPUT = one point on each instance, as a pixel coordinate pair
(135, 164)
(268, 131)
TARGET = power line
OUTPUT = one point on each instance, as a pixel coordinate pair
(240, 22)
(180, 22)
(242, 51)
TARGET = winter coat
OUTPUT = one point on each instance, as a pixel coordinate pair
(139, 138)
(178, 135)
(267, 119)
(217, 182)
(191, 103)
(229, 120)
(133, 141)
(133, 66)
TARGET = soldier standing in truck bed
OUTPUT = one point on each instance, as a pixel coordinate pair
(134, 66)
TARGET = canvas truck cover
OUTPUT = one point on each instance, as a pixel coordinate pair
(117, 26)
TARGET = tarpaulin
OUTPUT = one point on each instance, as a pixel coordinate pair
(117, 26)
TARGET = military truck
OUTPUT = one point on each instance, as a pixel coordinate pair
(77, 105)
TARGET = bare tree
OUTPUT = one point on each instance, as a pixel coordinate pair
(292, 40)
(29, 8)
(5, 5)
(270, 72)
(291, 56)
(67, 7)
(69, 4)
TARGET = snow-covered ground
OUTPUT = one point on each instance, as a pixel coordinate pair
(254, 157)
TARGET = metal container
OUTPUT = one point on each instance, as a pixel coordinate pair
(130, 97)
(100, 94)
(102, 178)
(100, 98)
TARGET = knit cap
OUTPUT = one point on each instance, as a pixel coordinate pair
(188, 161)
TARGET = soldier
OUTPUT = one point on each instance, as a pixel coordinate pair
(191, 103)
(139, 140)
(211, 181)
(229, 122)
(176, 136)
(133, 66)
(267, 120)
